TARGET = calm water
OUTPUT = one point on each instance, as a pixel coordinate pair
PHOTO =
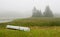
(5, 20)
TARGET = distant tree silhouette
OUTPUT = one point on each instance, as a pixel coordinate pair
(36, 13)
(48, 12)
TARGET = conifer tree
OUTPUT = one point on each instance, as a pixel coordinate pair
(48, 12)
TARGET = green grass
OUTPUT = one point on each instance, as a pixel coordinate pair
(35, 32)
(36, 22)
(40, 27)
(33, 22)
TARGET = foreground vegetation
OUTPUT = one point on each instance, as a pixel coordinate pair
(35, 32)
(34, 22)
(40, 27)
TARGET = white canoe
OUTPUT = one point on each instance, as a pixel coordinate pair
(18, 27)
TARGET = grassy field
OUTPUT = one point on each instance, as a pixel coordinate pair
(35, 32)
(37, 22)
(40, 27)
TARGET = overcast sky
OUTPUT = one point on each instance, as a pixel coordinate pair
(23, 8)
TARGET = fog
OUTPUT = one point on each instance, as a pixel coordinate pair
(23, 8)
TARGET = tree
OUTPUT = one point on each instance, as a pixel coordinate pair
(48, 12)
(36, 13)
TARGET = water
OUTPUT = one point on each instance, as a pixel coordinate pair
(5, 20)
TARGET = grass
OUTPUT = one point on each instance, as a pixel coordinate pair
(35, 32)
(40, 27)
(37, 22)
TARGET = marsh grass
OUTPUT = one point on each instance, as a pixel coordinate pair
(35, 32)
(36, 22)
(40, 27)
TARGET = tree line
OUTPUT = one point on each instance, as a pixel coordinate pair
(47, 13)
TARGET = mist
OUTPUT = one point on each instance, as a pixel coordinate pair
(23, 8)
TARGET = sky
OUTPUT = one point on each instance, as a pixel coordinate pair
(23, 8)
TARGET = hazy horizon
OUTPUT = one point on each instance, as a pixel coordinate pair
(23, 8)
